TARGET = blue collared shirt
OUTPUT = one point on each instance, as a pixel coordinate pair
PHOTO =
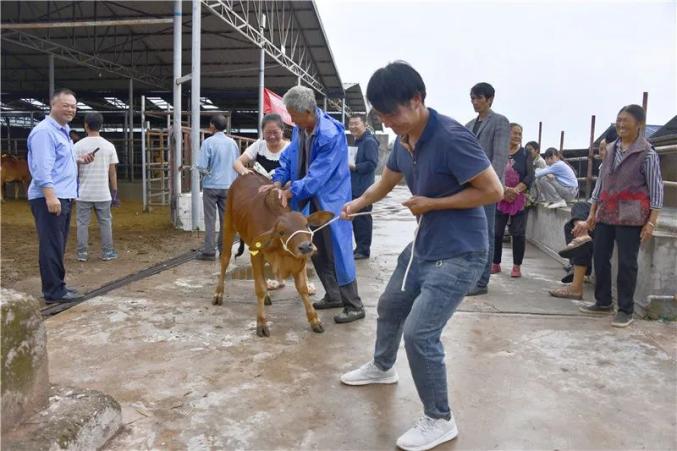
(51, 161)
(446, 157)
(217, 155)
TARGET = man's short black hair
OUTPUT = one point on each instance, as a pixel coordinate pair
(551, 152)
(94, 121)
(533, 144)
(360, 116)
(483, 89)
(62, 91)
(394, 85)
(219, 122)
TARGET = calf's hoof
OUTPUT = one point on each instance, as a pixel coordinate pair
(267, 301)
(218, 299)
(317, 327)
(262, 330)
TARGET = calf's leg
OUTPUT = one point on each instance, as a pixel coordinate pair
(224, 256)
(261, 295)
(301, 281)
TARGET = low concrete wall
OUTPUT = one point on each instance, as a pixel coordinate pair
(25, 381)
(657, 259)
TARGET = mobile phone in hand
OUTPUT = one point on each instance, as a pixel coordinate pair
(94, 151)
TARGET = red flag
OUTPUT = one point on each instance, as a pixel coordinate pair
(272, 103)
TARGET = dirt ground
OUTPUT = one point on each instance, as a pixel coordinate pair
(141, 239)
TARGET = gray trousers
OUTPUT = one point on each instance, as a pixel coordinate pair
(103, 217)
(552, 191)
(213, 199)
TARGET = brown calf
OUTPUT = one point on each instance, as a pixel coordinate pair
(274, 234)
(14, 169)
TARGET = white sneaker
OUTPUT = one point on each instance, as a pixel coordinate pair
(369, 373)
(558, 204)
(427, 433)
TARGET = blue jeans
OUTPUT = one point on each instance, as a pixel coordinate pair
(433, 291)
(490, 212)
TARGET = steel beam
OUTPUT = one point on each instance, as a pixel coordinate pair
(86, 23)
(81, 58)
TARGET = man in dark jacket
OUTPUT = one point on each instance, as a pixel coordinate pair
(362, 177)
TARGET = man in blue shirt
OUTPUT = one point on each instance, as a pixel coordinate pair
(361, 177)
(54, 171)
(450, 178)
(217, 155)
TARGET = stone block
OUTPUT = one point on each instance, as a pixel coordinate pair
(25, 382)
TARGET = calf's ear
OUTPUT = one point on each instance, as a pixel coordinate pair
(320, 218)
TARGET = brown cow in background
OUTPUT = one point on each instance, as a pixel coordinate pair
(274, 234)
(14, 170)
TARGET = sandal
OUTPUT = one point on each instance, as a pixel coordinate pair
(565, 293)
(273, 284)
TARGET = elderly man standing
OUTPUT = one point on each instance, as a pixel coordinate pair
(493, 133)
(54, 185)
(314, 168)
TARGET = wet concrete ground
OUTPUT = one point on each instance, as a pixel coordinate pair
(525, 371)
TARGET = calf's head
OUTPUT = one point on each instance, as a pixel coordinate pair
(292, 234)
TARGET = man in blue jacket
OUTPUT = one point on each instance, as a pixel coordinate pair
(362, 177)
(314, 168)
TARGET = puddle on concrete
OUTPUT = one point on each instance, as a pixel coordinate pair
(247, 273)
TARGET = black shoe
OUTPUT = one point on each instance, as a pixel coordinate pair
(348, 316)
(622, 319)
(568, 278)
(477, 291)
(360, 256)
(325, 303)
(68, 297)
(205, 257)
(597, 309)
(578, 247)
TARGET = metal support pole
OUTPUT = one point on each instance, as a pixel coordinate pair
(51, 76)
(591, 158)
(262, 62)
(561, 141)
(325, 104)
(178, 134)
(143, 154)
(298, 81)
(131, 124)
(195, 114)
(540, 133)
(343, 112)
(645, 104)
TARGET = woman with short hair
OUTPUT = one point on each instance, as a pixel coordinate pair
(518, 175)
(266, 152)
(626, 201)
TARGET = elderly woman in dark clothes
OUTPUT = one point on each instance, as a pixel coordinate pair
(625, 205)
(519, 174)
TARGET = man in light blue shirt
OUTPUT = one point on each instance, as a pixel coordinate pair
(217, 155)
(54, 171)
(557, 184)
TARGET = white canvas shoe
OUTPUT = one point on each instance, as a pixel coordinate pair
(427, 433)
(369, 373)
(558, 204)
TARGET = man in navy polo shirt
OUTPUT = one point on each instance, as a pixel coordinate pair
(450, 178)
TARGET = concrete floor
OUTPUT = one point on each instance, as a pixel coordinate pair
(525, 371)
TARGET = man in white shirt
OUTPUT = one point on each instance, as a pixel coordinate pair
(98, 188)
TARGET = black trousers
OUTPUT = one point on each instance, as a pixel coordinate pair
(579, 212)
(517, 229)
(323, 261)
(53, 236)
(362, 228)
(627, 239)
